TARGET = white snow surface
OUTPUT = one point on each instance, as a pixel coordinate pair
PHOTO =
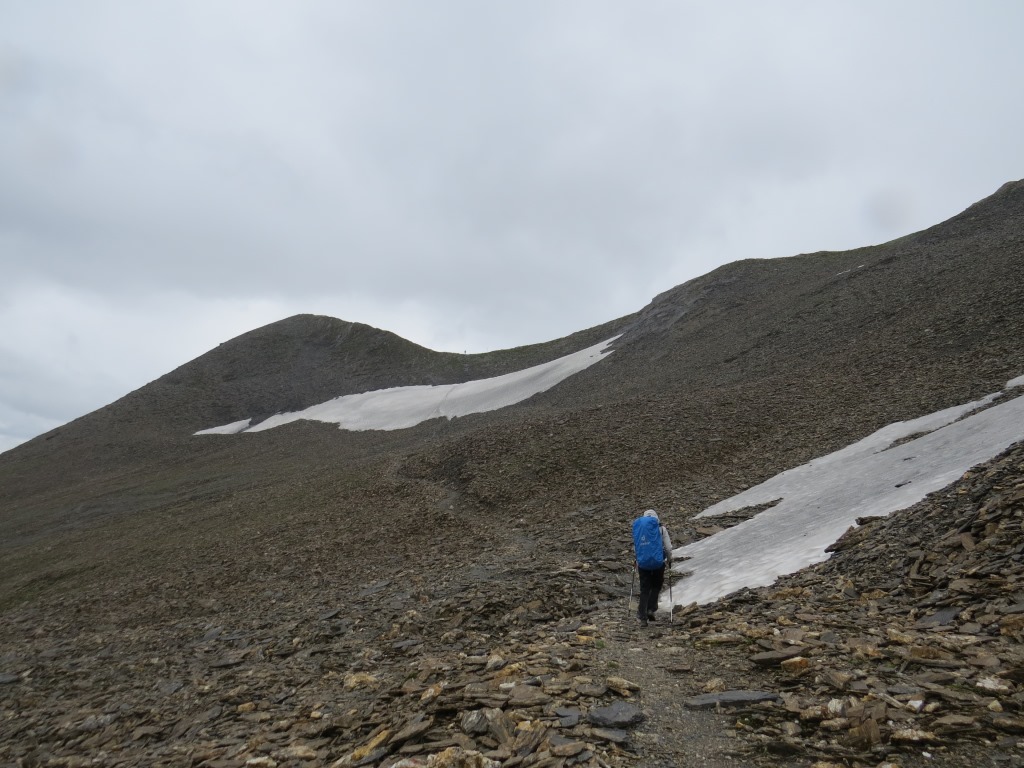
(820, 500)
(228, 429)
(403, 407)
(1018, 382)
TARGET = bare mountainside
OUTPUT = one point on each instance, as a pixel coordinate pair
(308, 595)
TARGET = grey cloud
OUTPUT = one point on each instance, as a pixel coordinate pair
(506, 173)
(35, 399)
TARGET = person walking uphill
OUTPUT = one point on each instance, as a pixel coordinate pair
(653, 549)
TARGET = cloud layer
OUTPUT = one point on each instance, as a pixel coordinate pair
(467, 175)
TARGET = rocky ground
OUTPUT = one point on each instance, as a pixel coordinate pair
(902, 650)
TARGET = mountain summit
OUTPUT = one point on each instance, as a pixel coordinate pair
(314, 595)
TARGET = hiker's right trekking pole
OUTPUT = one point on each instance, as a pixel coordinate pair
(671, 604)
(631, 580)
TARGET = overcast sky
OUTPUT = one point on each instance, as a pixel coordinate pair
(469, 175)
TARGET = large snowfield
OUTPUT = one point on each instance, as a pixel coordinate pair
(815, 503)
(820, 500)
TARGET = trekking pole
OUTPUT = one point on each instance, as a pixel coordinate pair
(668, 570)
(671, 604)
(630, 602)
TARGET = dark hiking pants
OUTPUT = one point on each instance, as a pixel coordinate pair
(650, 588)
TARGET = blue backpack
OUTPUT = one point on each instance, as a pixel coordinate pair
(650, 554)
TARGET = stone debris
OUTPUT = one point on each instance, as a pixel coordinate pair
(448, 675)
(729, 699)
(453, 757)
(616, 715)
(908, 640)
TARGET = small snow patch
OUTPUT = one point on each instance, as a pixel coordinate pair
(228, 429)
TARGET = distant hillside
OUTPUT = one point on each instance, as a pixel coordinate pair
(284, 366)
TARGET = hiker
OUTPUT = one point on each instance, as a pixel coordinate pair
(653, 549)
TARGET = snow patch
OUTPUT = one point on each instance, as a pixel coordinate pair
(403, 407)
(823, 498)
(228, 429)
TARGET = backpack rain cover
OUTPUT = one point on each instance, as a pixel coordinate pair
(647, 543)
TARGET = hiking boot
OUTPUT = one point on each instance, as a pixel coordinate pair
(651, 617)
(643, 622)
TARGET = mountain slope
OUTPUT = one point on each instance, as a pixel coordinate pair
(125, 534)
(763, 365)
(715, 385)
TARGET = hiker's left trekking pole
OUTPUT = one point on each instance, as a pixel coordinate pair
(629, 603)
